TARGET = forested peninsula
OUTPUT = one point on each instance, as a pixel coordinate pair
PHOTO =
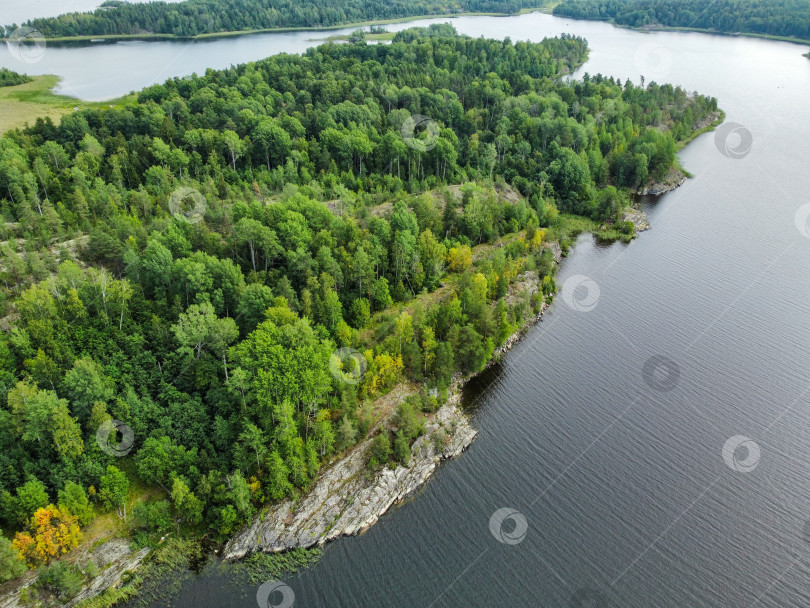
(216, 291)
(200, 17)
(783, 18)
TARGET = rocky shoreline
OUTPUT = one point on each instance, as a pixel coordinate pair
(347, 498)
(113, 559)
(638, 217)
(674, 179)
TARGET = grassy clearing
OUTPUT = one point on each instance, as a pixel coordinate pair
(570, 226)
(547, 8)
(24, 103)
(367, 37)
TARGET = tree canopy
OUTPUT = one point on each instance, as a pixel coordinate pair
(780, 18)
(236, 264)
(194, 17)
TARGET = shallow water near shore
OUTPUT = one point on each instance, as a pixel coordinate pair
(623, 486)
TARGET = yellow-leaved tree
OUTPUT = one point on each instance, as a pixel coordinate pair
(51, 533)
(459, 258)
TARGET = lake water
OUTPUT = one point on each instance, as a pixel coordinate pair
(621, 475)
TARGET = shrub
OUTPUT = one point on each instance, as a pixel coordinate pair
(626, 227)
(380, 450)
(11, 562)
(402, 449)
(153, 516)
(59, 580)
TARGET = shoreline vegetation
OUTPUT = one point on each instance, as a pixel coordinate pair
(23, 104)
(544, 7)
(657, 27)
(276, 275)
(790, 22)
(554, 7)
(109, 38)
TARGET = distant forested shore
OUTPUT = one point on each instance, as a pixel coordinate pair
(199, 17)
(783, 18)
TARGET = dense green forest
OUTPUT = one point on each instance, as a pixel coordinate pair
(190, 263)
(773, 18)
(194, 17)
(10, 79)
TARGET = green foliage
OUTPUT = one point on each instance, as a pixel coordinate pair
(10, 79)
(787, 18)
(86, 384)
(195, 17)
(30, 496)
(402, 448)
(407, 421)
(60, 580)
(12, 564)
(380, 450)
(213, 340)
(114, 489)
(73, 499)
(361, 313)
(186, 504)
(346, 434)
(260, 567)
(161, 459)
(153, 516)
